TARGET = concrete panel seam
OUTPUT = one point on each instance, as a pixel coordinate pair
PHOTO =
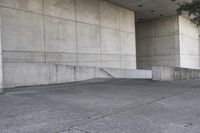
(100, 33)
(150, 37)
(43, 14)
(44, 33)
(23, 10)
(120, 45)
(77, 58)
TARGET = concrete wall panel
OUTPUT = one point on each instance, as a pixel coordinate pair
(158, 43)
(128, 61)
(127, 20)
(167, 45)
(166, 73)
(88, 42)
(193, 63)
(109, 15)
(127, 43)
(145, 30)
(110, 57)
(128, 73)
(61, 58)
(167, 62)
(28, 5)
(86, 59)
(31, 57)
(166, 26)
(60, 35)
(187, 28)
(84, 73)
(110, 41)
(111, 64)
(22, 31)
(176, 39)
(60, 8)
(189, 44)
(111, 60)
(65, 74)
(88, 38)
(87, 11)
(145, 47)
(24, 74)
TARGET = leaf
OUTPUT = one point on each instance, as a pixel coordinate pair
(192, 9)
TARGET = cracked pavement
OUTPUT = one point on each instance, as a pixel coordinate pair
(103, 106)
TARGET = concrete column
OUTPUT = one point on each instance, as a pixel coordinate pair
(158, 43)
(189, 44)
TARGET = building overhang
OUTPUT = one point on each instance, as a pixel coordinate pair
(150, 9)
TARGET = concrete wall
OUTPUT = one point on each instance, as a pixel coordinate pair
(171, 41)
(158, 43)
(167, 73)
(189, 44)
(37, 34)
(128, 73)
(39, 73)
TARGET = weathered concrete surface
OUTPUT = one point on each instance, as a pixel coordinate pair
(70, 32)
(1, 74)
(103, 106)
(171, 41)
(38, 34)
(26, 74)
(189, 44)
(167, 73)
(158, 43)
(128, 73)
(144, 13)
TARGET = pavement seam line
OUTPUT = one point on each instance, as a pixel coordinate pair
(81, 130)
(125, 110)
(77, 129)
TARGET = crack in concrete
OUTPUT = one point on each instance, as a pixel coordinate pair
(81, 130)
(124, 110)
(71, 129)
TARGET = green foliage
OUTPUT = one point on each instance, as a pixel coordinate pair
(192, 9)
